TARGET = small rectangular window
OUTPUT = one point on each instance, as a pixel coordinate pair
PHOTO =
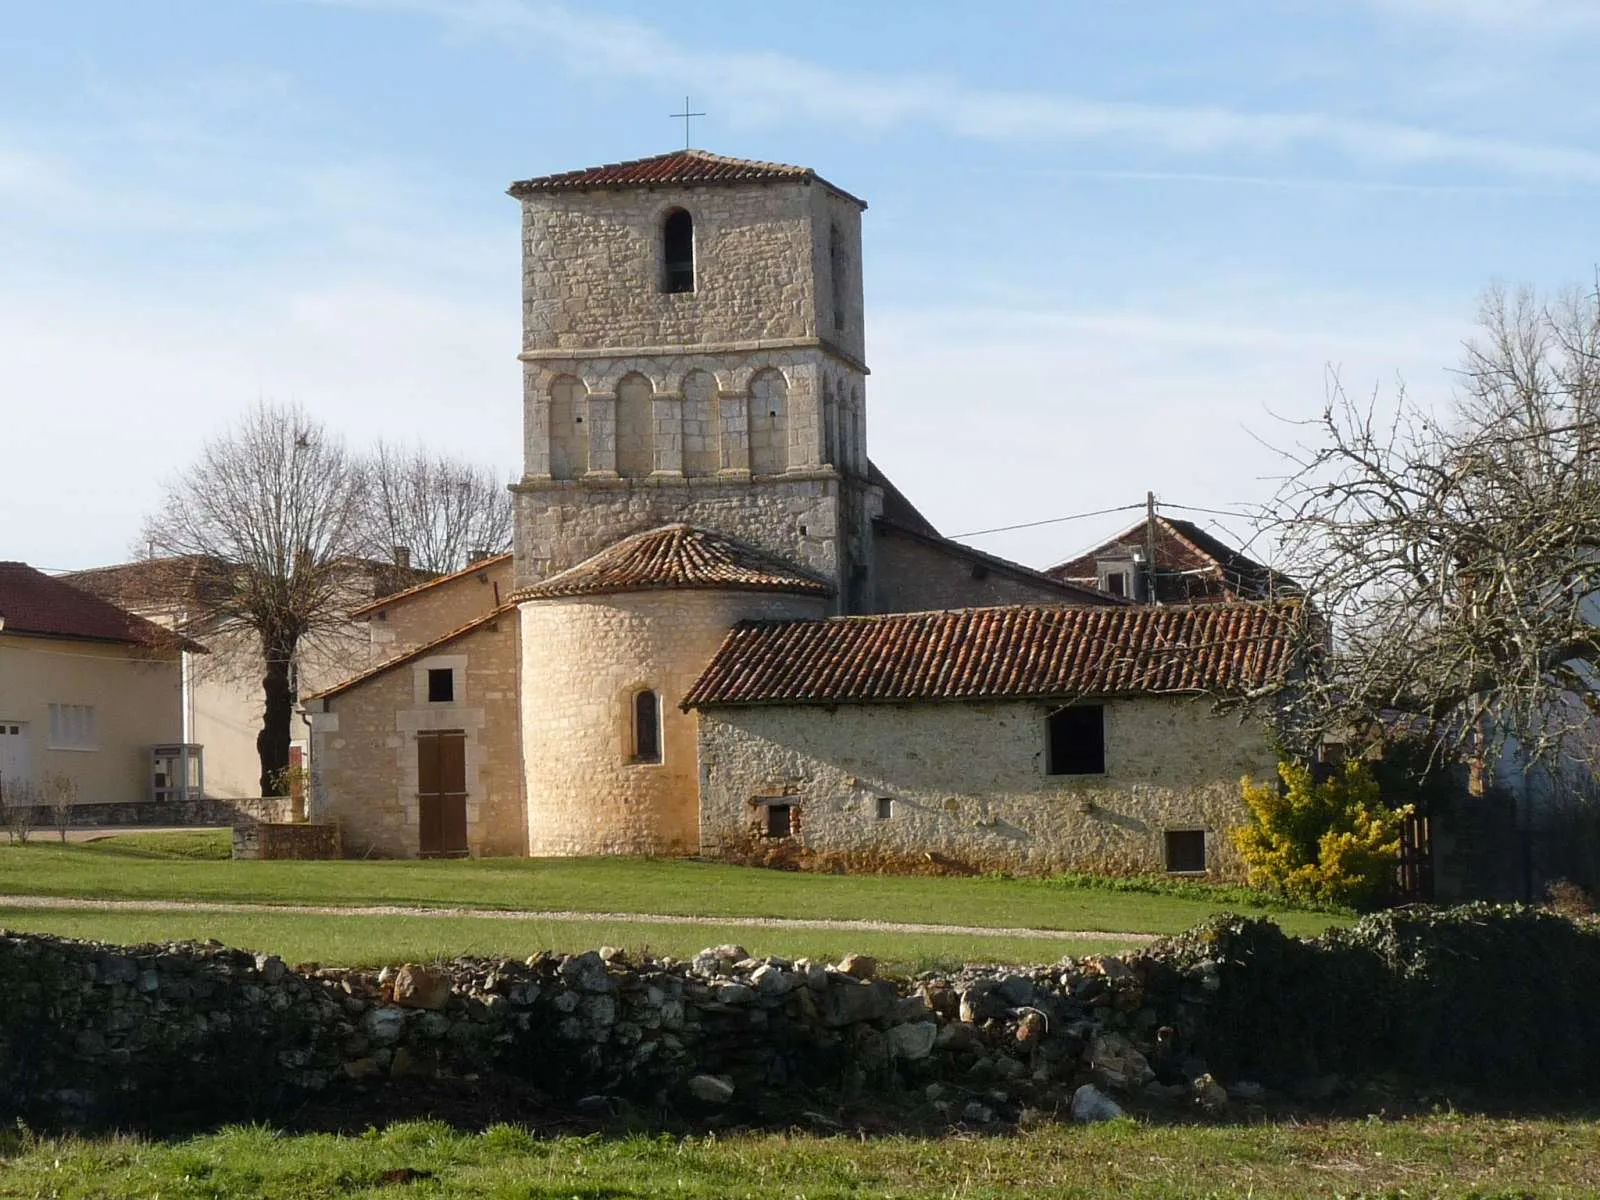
(780, 820)
(441, 685)
(1076, 738)
(885, 808)
(72, 727)
(1117, 583)
(1186, 850)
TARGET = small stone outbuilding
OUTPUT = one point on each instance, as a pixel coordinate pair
(1041, 738)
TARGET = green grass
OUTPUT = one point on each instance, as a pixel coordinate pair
(213, 844)
(151, 868)
(376, 941)
(1440, 1156)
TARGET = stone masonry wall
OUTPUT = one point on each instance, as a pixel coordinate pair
(914, 576)
(1232, 1019)
(967, 780)
(583, 662)
(156, 1038)
(593, 272)
(796, 519)
(364, 751)
(418, 619)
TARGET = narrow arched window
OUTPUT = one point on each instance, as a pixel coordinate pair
(646, 727)
(677, 251)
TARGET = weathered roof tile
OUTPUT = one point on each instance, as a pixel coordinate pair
(1012, 652)
(677, 556)
(35, 603)
(688, 168)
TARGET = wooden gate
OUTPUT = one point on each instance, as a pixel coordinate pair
(442, 793)
(1414, 871)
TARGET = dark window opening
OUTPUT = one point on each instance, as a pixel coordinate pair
(885, 808)
(646, 728)
(1077, 740)
(441, 685)
(1117, 583)
(780, 820)
(677, 249)
(1186, 850)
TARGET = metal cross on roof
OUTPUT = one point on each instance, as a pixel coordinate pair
(686, 115)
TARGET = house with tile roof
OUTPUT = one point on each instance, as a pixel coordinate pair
(1168, 560)
(88, 692)
(709, 570)
(222, 695)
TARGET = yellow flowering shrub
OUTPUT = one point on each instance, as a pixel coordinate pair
(1333, 842)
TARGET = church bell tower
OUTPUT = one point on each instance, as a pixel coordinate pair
(693, 351)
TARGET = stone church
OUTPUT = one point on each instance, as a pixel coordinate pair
(720, 623)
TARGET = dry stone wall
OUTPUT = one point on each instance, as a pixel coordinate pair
(153, 1036)
(1227, 1018)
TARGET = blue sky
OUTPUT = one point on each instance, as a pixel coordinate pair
(1110, 247)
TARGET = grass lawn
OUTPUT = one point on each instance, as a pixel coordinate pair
(376, 941)
(152, 868)
(1444, 1156)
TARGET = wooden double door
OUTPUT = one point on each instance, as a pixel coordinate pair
(442, 793)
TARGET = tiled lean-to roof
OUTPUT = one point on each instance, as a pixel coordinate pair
(1007, 653)
(677, 556)
(677, 168)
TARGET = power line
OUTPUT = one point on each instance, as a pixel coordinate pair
(1160, 504)
(1215, 512)
(1049, 521)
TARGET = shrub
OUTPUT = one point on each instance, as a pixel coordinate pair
(1328, 842)
(1496, 998)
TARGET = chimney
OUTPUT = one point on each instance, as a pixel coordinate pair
(402, 557)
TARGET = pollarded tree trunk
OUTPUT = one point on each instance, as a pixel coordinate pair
(272, 743)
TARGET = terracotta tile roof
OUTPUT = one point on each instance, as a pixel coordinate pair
(157, 582)
(366, 610)
(389, 664)
(1013, 652)
(1192, 566)
(206, 583)
(677, 556)
(685, 168)
(35, 603)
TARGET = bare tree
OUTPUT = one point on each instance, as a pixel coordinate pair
(19, 808)
(61, 798)
(443, 510)
(1457, 553)
(276, 504)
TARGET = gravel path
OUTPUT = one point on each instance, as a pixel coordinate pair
(70, 904)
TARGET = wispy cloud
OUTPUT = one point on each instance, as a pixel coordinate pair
(766, 87)
(1294, 183)
(1528, 18)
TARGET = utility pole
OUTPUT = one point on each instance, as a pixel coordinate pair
(1150, 547)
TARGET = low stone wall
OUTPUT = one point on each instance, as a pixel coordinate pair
(1496, 1001)
(94, 1035)
(300, 839)
(265, 827)
(203, 811)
